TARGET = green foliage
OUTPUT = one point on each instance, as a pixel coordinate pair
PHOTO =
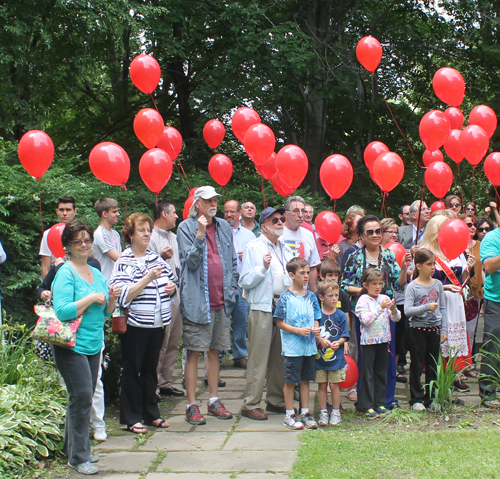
(32, 405)
(442, 386)
(493, 362)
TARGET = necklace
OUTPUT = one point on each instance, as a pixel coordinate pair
(370, 258)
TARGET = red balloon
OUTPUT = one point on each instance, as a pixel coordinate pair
(36, 152)
(280, 186)
(492, 168)
(373, 151)
(214, 133)
(398, 249)
(432, 156)
(145, 73)
(110, 163)
(171, 142)
(187, 206)
(268, 169)
(388, 171)
(453, 238)
(369, 53)
(148, 127)
(292, 165)
(455, 117)
(434, 128)
(449, 86)
(259, 143)
(336, 176)
(452, 146)
(474, 143)
(373, 177)
(155, 169)
(484, 117)
(351, 373)
(438, 205)
(438, 178)
(220, 169)
(328, 226)
(243, 119)
(54, 240)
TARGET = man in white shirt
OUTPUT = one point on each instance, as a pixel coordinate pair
(164, 242)
(300, 240)
(241, 237)
(65, 211)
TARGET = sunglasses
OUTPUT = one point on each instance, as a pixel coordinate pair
(470, 225)
(86, 241)
(470, 208)
(454, 205)
(483, 230)
(275, 220)
(376, 232)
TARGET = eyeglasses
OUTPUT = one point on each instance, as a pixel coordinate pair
(470, 225)
(470, 208)
(455, 205)
(143, 231)
(376, 232)
(275, 220)
(483, 230)
(86, 241)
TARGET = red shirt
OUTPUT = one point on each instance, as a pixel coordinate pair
(215, 273)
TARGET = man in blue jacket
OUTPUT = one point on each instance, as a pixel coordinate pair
(208, 279)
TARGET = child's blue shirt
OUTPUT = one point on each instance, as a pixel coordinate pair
(333, 327)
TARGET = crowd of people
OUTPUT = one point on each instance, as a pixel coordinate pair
(288, 304)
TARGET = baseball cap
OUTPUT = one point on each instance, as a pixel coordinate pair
(204, 192)
(269, 211)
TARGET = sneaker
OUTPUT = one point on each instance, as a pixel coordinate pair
(383, 411)
(335, 419)
(490, 402)
(100, 433)
(308, 421)
(460, 386)
(194, 416)
(323, 419)
(218, 410)
(94, 458)
(418, 406)
(85, 468)
(371, 414)
(291, 422)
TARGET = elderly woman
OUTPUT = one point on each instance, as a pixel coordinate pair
(389, 231)
(80, 289)
(452, 273)
(146, 284)
(373, 255)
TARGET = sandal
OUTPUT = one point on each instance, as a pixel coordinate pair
(159, 423)
(471, 373)
(137, 428)
(352, 395)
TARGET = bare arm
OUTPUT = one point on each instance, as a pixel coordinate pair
(45, 265)
(113, 254)
(492, 264)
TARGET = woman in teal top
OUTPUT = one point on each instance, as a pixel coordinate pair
(81, 289)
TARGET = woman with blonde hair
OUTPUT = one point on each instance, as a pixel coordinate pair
(451, 273)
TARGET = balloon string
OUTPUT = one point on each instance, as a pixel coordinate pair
(397, 124)
(272, 193)
(151, 95)
(334, 205)
(223, 197)
(420, 208)
(184, 173)
(473, 171)
(40, 200)
(182, 177)
(125, 217)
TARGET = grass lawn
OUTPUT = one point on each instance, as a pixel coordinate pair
(462, 446)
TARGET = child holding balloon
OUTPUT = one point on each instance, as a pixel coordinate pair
(374, 311)
(426, 308)
(330, 361)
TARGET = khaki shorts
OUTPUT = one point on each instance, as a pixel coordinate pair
(329, 376)
(213, 335)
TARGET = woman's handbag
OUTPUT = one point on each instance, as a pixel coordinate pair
(119, 321)
(52, 330)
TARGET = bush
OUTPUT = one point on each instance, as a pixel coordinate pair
(32, 405)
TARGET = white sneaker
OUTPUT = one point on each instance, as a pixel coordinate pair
(291, 422)
(323, 419)
(418, 406)
(335, 418)
(100, 434)
(308, 421)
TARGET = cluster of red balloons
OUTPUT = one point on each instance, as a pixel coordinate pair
(386, 168)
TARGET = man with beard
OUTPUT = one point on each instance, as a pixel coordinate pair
(264, 277)
(241, 237)
(208, 280)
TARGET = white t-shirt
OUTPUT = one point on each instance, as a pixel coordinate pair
(44, 247)
(303, 244)
(278, 266)
(241, 237)
(104, 241)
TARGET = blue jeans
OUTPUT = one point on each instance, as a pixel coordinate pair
(240, 317)
(80, 375)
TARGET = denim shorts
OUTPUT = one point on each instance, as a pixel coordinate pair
(300, 368)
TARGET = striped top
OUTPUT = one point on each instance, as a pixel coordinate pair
(128, 270)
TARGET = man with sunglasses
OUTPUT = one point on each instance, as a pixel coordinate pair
(264, 277)
(408, 234)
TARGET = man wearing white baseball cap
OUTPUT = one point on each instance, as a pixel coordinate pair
(208, 279)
